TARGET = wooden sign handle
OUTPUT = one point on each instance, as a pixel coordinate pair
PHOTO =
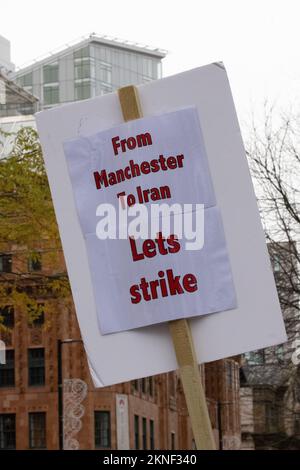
(180, 330)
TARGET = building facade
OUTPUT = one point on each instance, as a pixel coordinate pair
(270, 379)
(14, 100)
(94, 66)
(17, 107)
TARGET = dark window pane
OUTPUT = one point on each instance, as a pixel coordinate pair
(144, 385)
(151, 386)
(82, 90)
(7, 316)
(7, 431)
(144, 433)
(172, 384)
(279, 351)
(7, 370)
(50, 73)
(229, 374)
(102, 429)
(51, 94)
(136, 432)
(172, 440)
(82, 69)
(36, 366)
(136, 385)
(37, 430)
(5, 263)
(25, 80)
(40, 320)
(37, 315)
(152, 440)
(255, 357)
(35, 263)
(80, 53)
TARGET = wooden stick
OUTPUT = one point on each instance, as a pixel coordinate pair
(180, 330)
(192, 386)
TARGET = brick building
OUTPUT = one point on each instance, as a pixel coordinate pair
(155, 411)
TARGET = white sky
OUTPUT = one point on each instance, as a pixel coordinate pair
(258, 40)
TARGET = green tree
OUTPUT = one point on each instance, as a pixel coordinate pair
(28, 230)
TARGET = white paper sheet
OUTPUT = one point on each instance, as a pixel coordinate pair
(115, 272)
(172, 134)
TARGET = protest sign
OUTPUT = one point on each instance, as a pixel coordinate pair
(256, 320)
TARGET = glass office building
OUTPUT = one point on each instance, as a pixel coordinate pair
(14, 100)
(17, 107)
(94, 66)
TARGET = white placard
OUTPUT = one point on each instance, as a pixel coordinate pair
(257, 321)
(158, 162)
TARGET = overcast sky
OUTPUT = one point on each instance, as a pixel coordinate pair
(258, 40)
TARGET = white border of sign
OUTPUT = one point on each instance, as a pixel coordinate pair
(257, 322)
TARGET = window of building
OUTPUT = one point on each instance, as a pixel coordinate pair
(135, 385)
(25, 80)
(50, 73)
(144, 433)
(229, 374)
(51, 94)
(82, 90)
(7, 370)
(151, 386)
(83, 68)
(255, 357)
(152, 436)
(276, 263)
(172, 440)
(172, 383)
(36, 316)
(7, 431)
(7, 316)
(39, 321)
(105, 72)
(271, 418)
(279, 351)
(136, 432)
(82, 53)
(5, 263)
(144, 385)
(35, 263)
(37, 430)
(102, 429)
(36, 366)
(147, 67)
